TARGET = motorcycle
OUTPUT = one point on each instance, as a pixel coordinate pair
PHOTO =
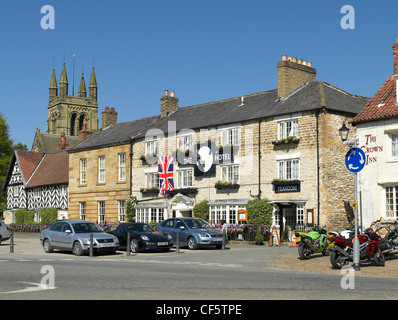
(342, 251)
(389, 244)
(313, 241)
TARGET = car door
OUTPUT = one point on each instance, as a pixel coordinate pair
(167, 227)
(182, 229)
(65, 236)
(121, 234)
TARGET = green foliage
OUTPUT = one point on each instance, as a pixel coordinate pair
(259, 211)
(48, 215)
(259, 236)
(201, 210)
(24, 216)
(130, 209)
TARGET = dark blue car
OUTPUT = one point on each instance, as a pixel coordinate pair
(193, 232)
(142, 237)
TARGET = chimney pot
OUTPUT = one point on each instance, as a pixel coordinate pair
(112, 109)
(284, 58)
(106, 108)
(172, 94)
(166, 93)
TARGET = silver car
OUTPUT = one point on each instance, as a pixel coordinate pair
(4, 232)
(74, 235)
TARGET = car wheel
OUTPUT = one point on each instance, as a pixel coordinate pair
(192, 244)
(47, 246)
(134, 245)
(77, 249)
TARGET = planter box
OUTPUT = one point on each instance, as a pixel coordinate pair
(228, 186)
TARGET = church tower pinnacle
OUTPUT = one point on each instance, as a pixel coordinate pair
(93, 88)
(63, 83)
(53, 86)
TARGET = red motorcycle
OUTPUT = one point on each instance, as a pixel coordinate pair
(342, 250)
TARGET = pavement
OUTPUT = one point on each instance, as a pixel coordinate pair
(278, 258)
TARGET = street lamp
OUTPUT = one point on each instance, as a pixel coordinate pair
(344, 131)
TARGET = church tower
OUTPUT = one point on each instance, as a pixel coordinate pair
(67, 113)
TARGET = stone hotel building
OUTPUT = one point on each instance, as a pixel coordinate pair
(281, 144)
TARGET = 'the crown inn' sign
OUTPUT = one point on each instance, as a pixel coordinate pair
(287, 186)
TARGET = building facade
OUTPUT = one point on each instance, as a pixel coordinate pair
(282, 145)
(377, 134)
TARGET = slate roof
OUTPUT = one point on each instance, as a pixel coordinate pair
(311, 96)
(261, 105)
(381, 106)
(117, 134)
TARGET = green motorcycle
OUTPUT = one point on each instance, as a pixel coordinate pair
(313, 241)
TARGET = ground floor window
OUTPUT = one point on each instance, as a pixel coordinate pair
(391, 202)
(225, 212)
(292, 216)
(148, 215)
(122, 210)
(82, 211)
(101, 212)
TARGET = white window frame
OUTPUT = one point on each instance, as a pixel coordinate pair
(152, 147)
(230, 173)
(83, 171)
(394, 145)
(122, 167)
(63, 190)
(288, 128)
(121, 209)
(15, 190)
(184, 178)
(230, 136)
(226, 212)
(289, 169)
(101, 169)
(82, 210)
(152, 180)
(101, 212)
(36, 193)
(185, 142)
(394, 202)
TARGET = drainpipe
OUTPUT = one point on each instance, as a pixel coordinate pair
(131, 167)
(259, 160)
(317, 112)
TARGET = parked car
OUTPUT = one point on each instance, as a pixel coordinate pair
(142, 237)
(74, 235)
(193, 232)
(4, 232)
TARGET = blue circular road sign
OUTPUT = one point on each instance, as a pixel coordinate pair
(355, 160)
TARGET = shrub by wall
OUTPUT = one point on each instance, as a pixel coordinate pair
(24, 216)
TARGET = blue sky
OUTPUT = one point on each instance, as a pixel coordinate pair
(203, 50)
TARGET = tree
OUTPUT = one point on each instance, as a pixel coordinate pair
(259, 211)
(201, 210)
(6, 151)
(130, 209)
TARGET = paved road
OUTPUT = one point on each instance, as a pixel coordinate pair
(238, 273)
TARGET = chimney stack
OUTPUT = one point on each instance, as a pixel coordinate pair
(108, 117)
(292, 74)
(168, 103)
(84, 133)
(62, 145)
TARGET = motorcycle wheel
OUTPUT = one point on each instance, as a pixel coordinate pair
(337, 259)
(304, 251)
(380, 259)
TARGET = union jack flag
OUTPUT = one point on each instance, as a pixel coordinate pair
(165, 170)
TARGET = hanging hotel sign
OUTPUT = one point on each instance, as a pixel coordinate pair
(287, 186)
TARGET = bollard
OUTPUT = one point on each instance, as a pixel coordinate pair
(12, 242)
(91, 245)
(178, 242)
(128, 243)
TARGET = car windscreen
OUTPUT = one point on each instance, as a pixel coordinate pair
(86, 227)
(198, 224)
(140, 228)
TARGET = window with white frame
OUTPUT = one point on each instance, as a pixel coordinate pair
(83, 171)
(394, 145)
(36, 193)
(300, 214)
(101, 169)
(185, 142)
(152, 180)
(184, 178)
(225, 212)
(82, 210)
(148, 215)
(289, 169)
(152, 147)
(230, 173)
(122, 210)
(230, 137)
(64, 190)
(101, 212)
(122, 167)
(288, 128)
(16, 191)
(392, 202)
